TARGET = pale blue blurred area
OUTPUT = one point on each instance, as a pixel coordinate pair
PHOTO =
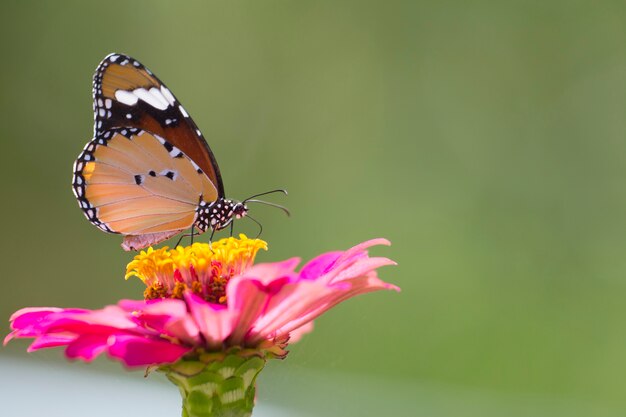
(36, 387)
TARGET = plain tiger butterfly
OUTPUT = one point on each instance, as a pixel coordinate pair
(148, 174)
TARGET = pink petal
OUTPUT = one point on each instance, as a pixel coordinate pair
(31, 322)
(320, 265)
(135, 305)
(357, 250)
(87, 347)
(329, 265)
(292, 303)
(139, 351)
(110, 316)
(48, 341)
(79, 327)
(214, 321)
(359, 268)
(327, 280)
(247, 299)
(368, 283)
(160, 307)
(26, 316)
(359, 286)
(184, 329)
(89, 333)
(159, 315)
(267, 272)
(91, 321)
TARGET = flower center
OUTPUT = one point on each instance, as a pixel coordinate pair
(202, 268)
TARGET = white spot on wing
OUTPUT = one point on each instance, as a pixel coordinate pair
(108, 103)
(196, 167)
(168, 95)
(152, 97)
(167, 171)
(182, 110)
(159, 96)
(174, 152)
(126, 97)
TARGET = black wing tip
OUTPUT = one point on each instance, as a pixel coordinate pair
(116, 56)
(120, 59)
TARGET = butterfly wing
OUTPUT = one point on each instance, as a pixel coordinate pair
(136, 183)
(127, 94)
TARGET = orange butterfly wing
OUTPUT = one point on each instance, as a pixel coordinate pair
(136, 183)
(127, 94)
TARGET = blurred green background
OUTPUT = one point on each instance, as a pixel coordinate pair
(485, 139)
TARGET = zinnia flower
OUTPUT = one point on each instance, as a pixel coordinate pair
(210, 318)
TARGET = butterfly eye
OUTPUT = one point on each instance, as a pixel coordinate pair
(240, 210)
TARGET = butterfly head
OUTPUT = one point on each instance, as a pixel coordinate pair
(240, 210)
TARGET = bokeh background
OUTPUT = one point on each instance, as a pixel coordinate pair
(485, 139)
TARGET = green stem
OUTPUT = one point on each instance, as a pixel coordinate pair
(219, 388)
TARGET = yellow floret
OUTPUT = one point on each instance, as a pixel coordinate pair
(230, 256)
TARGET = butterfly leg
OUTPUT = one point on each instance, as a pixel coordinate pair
(211, 239)
(232, 226)
(181, 238)
(191, 235)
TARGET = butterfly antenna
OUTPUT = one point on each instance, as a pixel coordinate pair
(267, 203)
(265, 193)
(260, 226)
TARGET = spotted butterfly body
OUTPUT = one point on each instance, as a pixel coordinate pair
(148, 174)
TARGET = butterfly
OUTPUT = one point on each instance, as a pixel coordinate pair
(148, 174)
